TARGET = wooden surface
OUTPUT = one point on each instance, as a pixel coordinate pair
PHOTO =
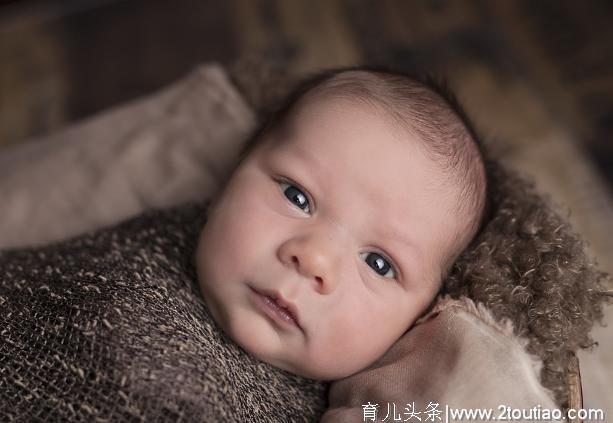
(575, 394)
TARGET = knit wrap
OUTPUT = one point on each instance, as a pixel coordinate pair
(111, 326)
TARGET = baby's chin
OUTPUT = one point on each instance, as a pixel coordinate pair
(325, 374)
(309, 372)
(273, 351)
(301, 367)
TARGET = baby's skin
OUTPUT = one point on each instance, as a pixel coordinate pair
(328, 243)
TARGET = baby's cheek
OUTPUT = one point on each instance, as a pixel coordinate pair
(217, 252)
(350, 346)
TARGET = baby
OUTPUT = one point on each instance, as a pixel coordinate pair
(333, 234)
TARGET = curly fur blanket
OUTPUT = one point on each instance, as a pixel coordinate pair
(528, 265)
(110, 326)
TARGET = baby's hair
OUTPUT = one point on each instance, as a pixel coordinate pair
(417, 103)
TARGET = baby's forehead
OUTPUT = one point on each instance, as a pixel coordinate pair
(326, 113)
(340, 132)
(347, 105)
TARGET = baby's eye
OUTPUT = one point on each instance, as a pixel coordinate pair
(380, 265)
(296, 196)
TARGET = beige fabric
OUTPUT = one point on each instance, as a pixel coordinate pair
(170, 147)
(456, 356)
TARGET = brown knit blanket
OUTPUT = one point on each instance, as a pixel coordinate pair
(110, 326)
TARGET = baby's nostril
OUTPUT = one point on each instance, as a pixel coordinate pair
(318, 279)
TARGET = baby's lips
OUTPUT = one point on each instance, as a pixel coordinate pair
(288, 305)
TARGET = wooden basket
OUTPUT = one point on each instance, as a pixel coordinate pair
(575, 392)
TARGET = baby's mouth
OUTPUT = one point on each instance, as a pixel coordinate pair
(283, 309)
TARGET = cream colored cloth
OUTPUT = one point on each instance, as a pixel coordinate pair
(456, 356)
(173, 146)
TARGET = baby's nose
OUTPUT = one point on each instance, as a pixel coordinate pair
(314, 256)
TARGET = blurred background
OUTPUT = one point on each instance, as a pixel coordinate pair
(62, 60)
(536, 76)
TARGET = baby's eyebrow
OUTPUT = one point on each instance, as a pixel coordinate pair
(414, 261)
(401, 238)
(308, 157)
(309, 162)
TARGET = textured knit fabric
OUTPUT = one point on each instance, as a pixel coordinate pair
(110, 326)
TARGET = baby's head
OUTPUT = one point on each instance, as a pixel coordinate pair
(348, 208)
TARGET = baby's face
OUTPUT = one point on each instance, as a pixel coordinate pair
(347, 223)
